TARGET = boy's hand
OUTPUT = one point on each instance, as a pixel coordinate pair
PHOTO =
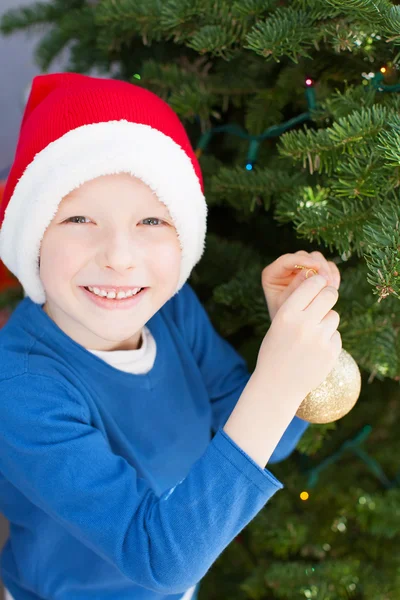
(281, 278)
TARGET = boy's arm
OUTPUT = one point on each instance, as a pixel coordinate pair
(53, 454)
(224, 371)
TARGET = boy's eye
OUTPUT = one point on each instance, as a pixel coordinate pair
(70, 220)
(153, 219)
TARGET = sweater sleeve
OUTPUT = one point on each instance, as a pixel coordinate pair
(50, 451)
(224, 371)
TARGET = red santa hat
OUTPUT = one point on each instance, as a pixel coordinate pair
(75, 128)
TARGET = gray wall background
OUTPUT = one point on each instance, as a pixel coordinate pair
(17, 69)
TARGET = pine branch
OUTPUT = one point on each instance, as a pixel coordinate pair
(286, 32)
(319, 216)
(321, 149)
(19, 19)
(381, 13)
(342, 103)
(120, 20)
(253, 9)
(243, 191)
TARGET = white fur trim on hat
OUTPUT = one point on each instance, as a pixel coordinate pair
(83, 154)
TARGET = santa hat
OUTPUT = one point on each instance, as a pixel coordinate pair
(76, 127)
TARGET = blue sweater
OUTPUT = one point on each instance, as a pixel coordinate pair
(121, 486)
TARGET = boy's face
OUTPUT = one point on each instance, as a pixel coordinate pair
(111, 244)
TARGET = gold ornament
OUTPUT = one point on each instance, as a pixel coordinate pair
(336, 395)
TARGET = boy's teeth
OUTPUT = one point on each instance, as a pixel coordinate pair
(112, 294)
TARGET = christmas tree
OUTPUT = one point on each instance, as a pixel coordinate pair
(293, 108)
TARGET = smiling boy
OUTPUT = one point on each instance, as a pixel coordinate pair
(110, 478)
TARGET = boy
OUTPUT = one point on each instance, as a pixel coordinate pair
(111, 482)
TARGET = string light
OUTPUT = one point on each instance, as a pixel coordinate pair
(277, 130)
(310, 94)
(255, 140)
(304, 495)
(378, 83)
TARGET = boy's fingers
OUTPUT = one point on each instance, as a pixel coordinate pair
(335, 274)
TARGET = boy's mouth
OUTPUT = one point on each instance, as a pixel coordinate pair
(106, 297)
(114, 303)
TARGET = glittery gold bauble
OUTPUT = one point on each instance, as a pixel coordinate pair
(335, 396)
